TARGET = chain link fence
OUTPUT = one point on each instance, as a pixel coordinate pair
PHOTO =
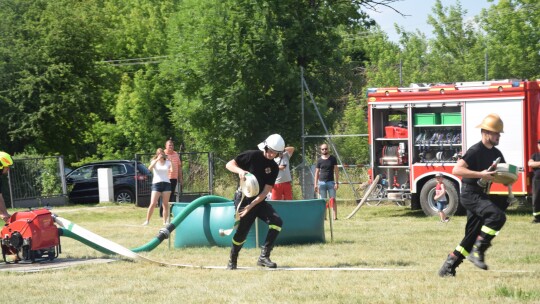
(37, 182)
(197, 174)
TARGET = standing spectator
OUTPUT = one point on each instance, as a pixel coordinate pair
(485, 217)
(175, 175)
(5, 162)
(262, 165)
(282, 189)
(327, 177)
(440, 197)
(534, 163)
(161, 185)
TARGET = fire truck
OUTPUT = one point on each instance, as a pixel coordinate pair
(418, 131)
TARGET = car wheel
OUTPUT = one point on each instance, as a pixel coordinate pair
(124, 196)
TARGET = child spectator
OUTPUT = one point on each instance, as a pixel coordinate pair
(440, 197)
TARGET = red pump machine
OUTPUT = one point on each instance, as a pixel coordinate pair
(30, 235)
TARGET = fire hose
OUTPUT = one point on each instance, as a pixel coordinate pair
(76, 232)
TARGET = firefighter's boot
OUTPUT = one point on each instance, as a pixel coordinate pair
(449, 266)
(264, 259)
(233, 259)
(478, 252)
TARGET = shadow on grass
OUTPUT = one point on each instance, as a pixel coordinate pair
(340, 242)
(412, 213)
(391, 263)
(520, 209)
(517, 209)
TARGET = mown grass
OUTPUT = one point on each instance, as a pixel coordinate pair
(404, 248)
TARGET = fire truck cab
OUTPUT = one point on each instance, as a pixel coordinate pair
(418, 131)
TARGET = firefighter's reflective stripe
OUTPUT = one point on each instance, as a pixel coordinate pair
(489, 231)
(238, 243)
(274, 227)
(462, 250)
(536, 213)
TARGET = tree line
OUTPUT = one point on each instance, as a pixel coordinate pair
(108, 79)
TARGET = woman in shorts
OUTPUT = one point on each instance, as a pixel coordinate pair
(161, 185)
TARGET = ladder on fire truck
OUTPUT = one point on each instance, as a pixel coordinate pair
(461, 86)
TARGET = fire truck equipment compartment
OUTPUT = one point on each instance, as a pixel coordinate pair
(395, 132)
(422, 119)
(451, 118)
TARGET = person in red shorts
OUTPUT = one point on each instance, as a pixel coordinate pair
(282, 189)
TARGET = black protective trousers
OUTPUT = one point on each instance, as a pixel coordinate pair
(482, 209)
(267, 214)
(536, 197)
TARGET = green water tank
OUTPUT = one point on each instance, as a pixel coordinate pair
(303, 222)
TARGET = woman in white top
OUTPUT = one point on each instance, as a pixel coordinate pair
(161, 185)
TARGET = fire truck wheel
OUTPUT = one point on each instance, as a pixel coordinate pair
(429, 205)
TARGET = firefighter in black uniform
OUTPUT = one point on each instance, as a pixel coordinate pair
(261, 164)
(5, 162)
(485, 214)
(534, 163)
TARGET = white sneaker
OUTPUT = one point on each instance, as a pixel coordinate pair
(145, 223)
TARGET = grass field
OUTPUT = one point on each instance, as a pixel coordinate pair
(398, 249)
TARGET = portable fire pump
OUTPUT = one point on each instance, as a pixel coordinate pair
(420, 130)
(30, 236)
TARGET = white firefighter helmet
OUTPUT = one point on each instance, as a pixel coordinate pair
(274, 142)
(249, 186)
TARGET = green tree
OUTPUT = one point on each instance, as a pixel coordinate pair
(414, 58)
(354, 149)
(237, 63)
(456, 54)
(513, 39)
(137, 97)
(382, 59)
(48, 79)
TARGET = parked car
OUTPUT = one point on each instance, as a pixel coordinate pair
(83, 181)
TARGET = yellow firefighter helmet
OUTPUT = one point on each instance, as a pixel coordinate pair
(493, 123)
(5, 160)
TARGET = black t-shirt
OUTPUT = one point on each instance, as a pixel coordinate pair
(536, 157)
(479, 158)
(264, 169)
(326, 168)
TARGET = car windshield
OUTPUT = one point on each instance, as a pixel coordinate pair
(81, 173)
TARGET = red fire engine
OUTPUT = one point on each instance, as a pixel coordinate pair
(417, 131)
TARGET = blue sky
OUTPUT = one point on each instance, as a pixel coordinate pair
(418, 11)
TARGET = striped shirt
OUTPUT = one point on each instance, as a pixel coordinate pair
(176, 163)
